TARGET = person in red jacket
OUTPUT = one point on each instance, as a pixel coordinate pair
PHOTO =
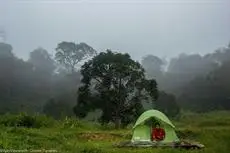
(158, 133)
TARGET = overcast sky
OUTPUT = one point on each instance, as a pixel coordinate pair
(139, 27)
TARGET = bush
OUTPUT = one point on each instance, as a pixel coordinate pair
(43, 121)
(8, 120)
(72, 123)
(25, 120)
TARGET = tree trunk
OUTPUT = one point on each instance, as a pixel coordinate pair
(117, 118)
(117, 123)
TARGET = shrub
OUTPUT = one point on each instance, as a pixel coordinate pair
(71, 123)
(25, 120)
(43, 121)
(8, 120)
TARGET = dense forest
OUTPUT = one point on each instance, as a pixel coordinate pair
(200, 83)
(77, 80)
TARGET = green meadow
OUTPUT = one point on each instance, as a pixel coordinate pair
(37, 133)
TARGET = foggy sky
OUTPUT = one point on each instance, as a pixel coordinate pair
(140, 27)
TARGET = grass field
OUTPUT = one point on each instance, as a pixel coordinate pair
(212, 130)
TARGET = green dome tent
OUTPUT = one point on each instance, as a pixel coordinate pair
(142, 127)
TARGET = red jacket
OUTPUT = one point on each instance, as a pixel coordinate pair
(158, 134)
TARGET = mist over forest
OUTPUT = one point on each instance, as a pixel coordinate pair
(111, 61)
(48, 85)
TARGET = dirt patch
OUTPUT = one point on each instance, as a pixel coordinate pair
(187, 134)
(99, 136)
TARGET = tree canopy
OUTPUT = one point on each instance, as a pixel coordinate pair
(42, 61)
(70, 54)
(116, 84)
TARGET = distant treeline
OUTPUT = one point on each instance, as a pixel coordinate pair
(51, 84)
(200, 83)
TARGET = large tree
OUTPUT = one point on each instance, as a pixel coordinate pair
(152, 62)
(17, 82)
(154, 66)
(6, 50)
(70, 54)
(116, 84)
(7, 68)
(42, 61)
